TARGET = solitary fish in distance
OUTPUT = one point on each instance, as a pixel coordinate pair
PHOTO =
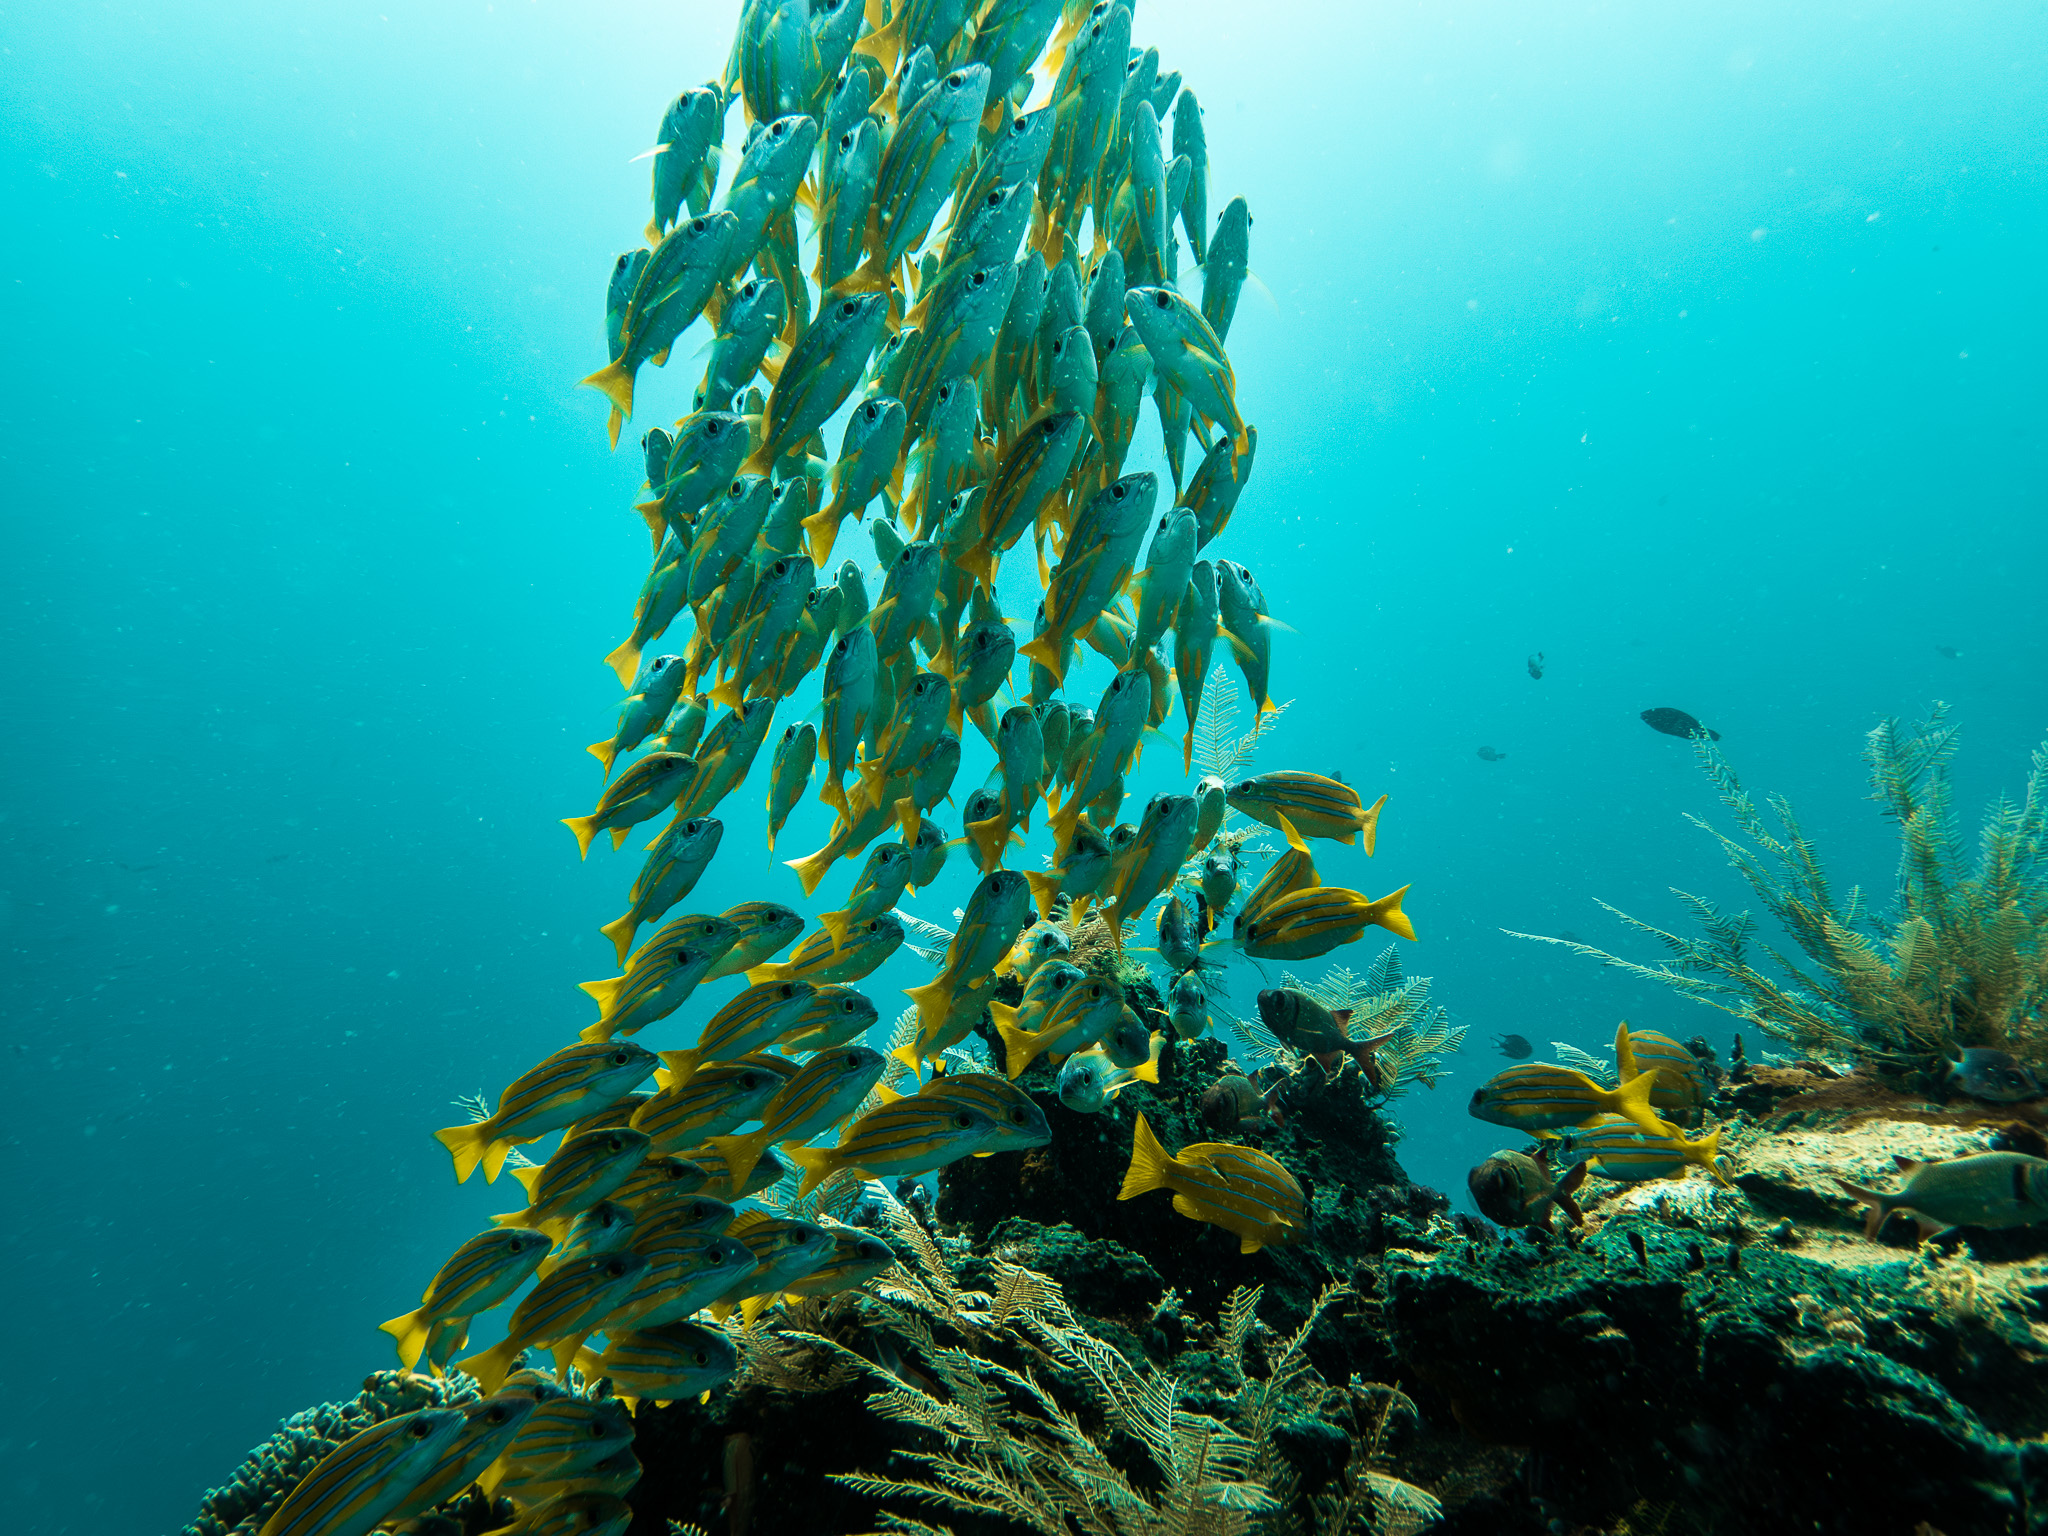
(1676, 722)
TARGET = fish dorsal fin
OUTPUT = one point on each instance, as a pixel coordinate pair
(1624, 1053)
(746, 1221)
(529, 1178)
(1909, 1165)
(1343, 1018)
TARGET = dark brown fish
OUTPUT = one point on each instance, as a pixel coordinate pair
(1676, 722)
(1488, 755)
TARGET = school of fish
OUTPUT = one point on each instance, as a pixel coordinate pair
(949, 240)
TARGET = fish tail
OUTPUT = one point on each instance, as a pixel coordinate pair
(616, 383)
(410, 1330)
(619, 836)
(1387, 913)
(1369, 826)
(1044, 888)
(769, 972)
(816, 1163)
(907, 1054)
(990, 838)
(625, 661)
(592, 1034)
(1707, 1153)
(1147, 1071)
(491, 1367)
(1149, 1163)
(810, 869)
(606, 752)
(603, 991)
(1564, 1193)
(931, 1000)
(1018, 1048)
(467, 1144)
(834, 923)
(682, 1066)
(585, 828)
(1046, 654)
(1632, 1099)
(821, 530)
(621, 934)
(1879, 1202)
(1187, 751)
(742, 1152)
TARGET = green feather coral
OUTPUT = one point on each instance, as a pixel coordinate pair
(1958, 958)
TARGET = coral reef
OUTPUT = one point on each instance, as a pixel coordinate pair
(260, 1483)
(1958, 959)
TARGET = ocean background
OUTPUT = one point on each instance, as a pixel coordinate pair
(1697, 348)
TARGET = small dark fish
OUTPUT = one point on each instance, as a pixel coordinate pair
(1676, 722)
(1535, 665)
(1488, 755)
(1514, 1047)
(1517, 1189)
(1995, 1077)
(1948, 651)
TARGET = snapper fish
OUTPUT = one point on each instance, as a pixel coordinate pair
(1237, 1188)
(717, 1098)
(644, 790)
(479, 1275)
(655, 692)
(1993, 1077)
(564, 1435)
(670, 1364)
(765, 927)
(605, 1228)
(688, 1268)
(913, 1135)
(672, 287)
(753, 1019)
(1019, 1122)
(1542, 1097)
(559, 1313)
(848, 954)
(1316, 919)
(1620, 1149)
(1089, 1079)
(1982, 1189)
(1681, 1084)
(559, 1091)
(836, 1015)
(574, 1512)
(359, 1483)
(488, 1426)
(1301, 1023)
(784, 1250)
(1313, 805)
(583, 1170)
(824, 1092)
(676, 861)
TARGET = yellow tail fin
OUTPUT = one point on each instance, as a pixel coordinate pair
(593, 1034)
(1387, 913)
(411, 1331)
(991, 841)
(605, 991)
(585, 828)
(605, 752)
(934, 1000)
(1370, 825)
(468, 1144)
(908, 1055)
(742, 1152)
(616, 383)
(1624, 1053)
(816, 1163)
(1020, 1047)
(1046, 654)
(625, 661)
(1147, 1071)
(621, 934)
(810, 869)
(821, 531)
(1044, 888)
(491, 1367)
(1149, 1163)
(682, 1066)
(1632, 1099)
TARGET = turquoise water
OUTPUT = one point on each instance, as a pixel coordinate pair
(1699, 352)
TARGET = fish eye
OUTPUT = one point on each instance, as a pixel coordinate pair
(703, 1358)
(963, 1121)
(848, 309)
(418, 1430)
(496, 1414)
(977, 280)
(596, 1429)
(872, 411)
(994, 197)
(957, 79)
(1163, 301)
(1117, 491)
(846, 141)
(779, 127)
(713, 427)
(620, 1058)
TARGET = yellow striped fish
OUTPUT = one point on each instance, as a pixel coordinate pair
(1236, 1188)
(784, 1250)
(1316, 919)
(646, 789)
(828, 955)
(1082, 1010)
(1621, 1150)
(360, 1482)
(572, 1083)
(657, 982)
(857, 1257)
(835, 1016)
(753, 1019)
(605, 1228)
(1019, 1122)
(1313, 805)
(663, 1365)
(1292, 871)
(583, 1170)
(825, 1091)
(995, 914)
(766, 927)
(559, 1313)
(488, 1426)
(1681, 1084)
(563, 1435)
(1542, 1097)
(684, 1265)
(719, 1098)
(615, 1115)
(478, 1276)
(675, 862)
(911, 1136)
